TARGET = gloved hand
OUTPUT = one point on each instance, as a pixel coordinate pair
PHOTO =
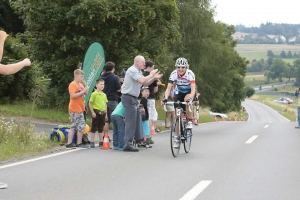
(165, 101)
(190, 101)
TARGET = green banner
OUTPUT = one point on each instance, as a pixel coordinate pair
(93, 63)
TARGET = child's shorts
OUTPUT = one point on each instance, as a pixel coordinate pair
(98, 123)
(146, 128)
(77, 121)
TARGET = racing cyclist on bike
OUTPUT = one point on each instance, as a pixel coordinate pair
(185, 80)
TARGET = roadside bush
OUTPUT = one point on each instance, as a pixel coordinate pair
(249, 91)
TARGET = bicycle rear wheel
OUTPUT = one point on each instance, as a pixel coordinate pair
(188, 140)
(175, 150)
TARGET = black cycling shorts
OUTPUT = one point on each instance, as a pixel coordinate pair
(180, 97)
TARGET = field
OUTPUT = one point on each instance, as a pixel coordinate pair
(258, 51)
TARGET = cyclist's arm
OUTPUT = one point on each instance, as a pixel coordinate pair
(193, 89)
(168, 90)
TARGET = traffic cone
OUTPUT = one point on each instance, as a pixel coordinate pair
(153, 132)
(223, 119)
(106, 143)
(215, 119)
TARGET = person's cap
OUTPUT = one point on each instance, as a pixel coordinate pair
(144, 88)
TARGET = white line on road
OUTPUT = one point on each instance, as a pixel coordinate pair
(266, 126)
(251, 139)
(40, 158)
(196, 190)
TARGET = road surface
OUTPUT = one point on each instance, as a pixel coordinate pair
(258, 159)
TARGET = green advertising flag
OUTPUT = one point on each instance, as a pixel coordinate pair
(93, 63)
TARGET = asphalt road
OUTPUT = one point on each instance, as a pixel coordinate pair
(258, 159)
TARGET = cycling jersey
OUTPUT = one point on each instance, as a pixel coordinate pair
(183, 82)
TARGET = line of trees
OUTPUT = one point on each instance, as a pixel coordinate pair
(57, 34)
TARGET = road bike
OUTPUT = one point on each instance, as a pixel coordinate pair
(184, 135)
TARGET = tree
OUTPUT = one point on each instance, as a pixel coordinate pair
(277, 70)
(249, 91)
(296, 64)
(209, 47)
(289, 54)
(283, 54)
(270, 53)
(60, 31)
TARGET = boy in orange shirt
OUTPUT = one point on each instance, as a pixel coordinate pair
(76, 109)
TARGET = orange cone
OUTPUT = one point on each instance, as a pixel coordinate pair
(196, 121)
(152, 132)
(215, 119)
(223, 119)
(106, 143)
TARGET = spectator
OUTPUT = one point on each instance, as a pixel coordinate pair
(153, 88)
(118, 120)
(112, 86)
(145, 123)
(296, 93)
(76, 110)
(9, 69)
(98, 108)
(170, 108)
(130, 91)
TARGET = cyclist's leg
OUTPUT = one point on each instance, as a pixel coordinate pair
(178, 97)
(189, 113)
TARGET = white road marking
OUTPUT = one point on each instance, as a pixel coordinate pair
(196, 190)
(266, 126)
(251, 139)
(40, 158)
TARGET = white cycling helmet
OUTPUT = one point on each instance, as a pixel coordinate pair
(181, 62)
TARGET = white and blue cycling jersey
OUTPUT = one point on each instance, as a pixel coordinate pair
(183, 82)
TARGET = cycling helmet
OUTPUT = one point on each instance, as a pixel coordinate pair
(181, 62)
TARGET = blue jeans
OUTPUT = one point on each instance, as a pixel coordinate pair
(119, 130)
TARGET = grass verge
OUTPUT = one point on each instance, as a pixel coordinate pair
(24, 109)
(18, 140)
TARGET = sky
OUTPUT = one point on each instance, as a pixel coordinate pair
(256, 12)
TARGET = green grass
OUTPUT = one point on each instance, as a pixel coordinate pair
(24, 109)
(18, 140)
(259, 51)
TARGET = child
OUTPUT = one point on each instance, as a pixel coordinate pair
(145, 123)
(76, 109)
(117, 118)
(97, 105)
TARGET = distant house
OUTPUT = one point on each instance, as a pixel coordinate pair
(279, 38)
(292, 39)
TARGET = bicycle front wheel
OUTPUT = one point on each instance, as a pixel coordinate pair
(188, 140)
(175, 140)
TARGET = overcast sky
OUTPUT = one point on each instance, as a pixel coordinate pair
(256, 12)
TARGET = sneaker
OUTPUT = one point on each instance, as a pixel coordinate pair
(3, 185)
(149, 141)
(143, 144)
(92, 144)
(71, 146)
(157, 130)
(189, 125)
(82, 146)
(176, 144)
(121, 149)
(116, 148)
(100, 144)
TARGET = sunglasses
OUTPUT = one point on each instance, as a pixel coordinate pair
(181, 67)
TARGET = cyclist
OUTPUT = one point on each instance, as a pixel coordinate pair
(185, 80)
